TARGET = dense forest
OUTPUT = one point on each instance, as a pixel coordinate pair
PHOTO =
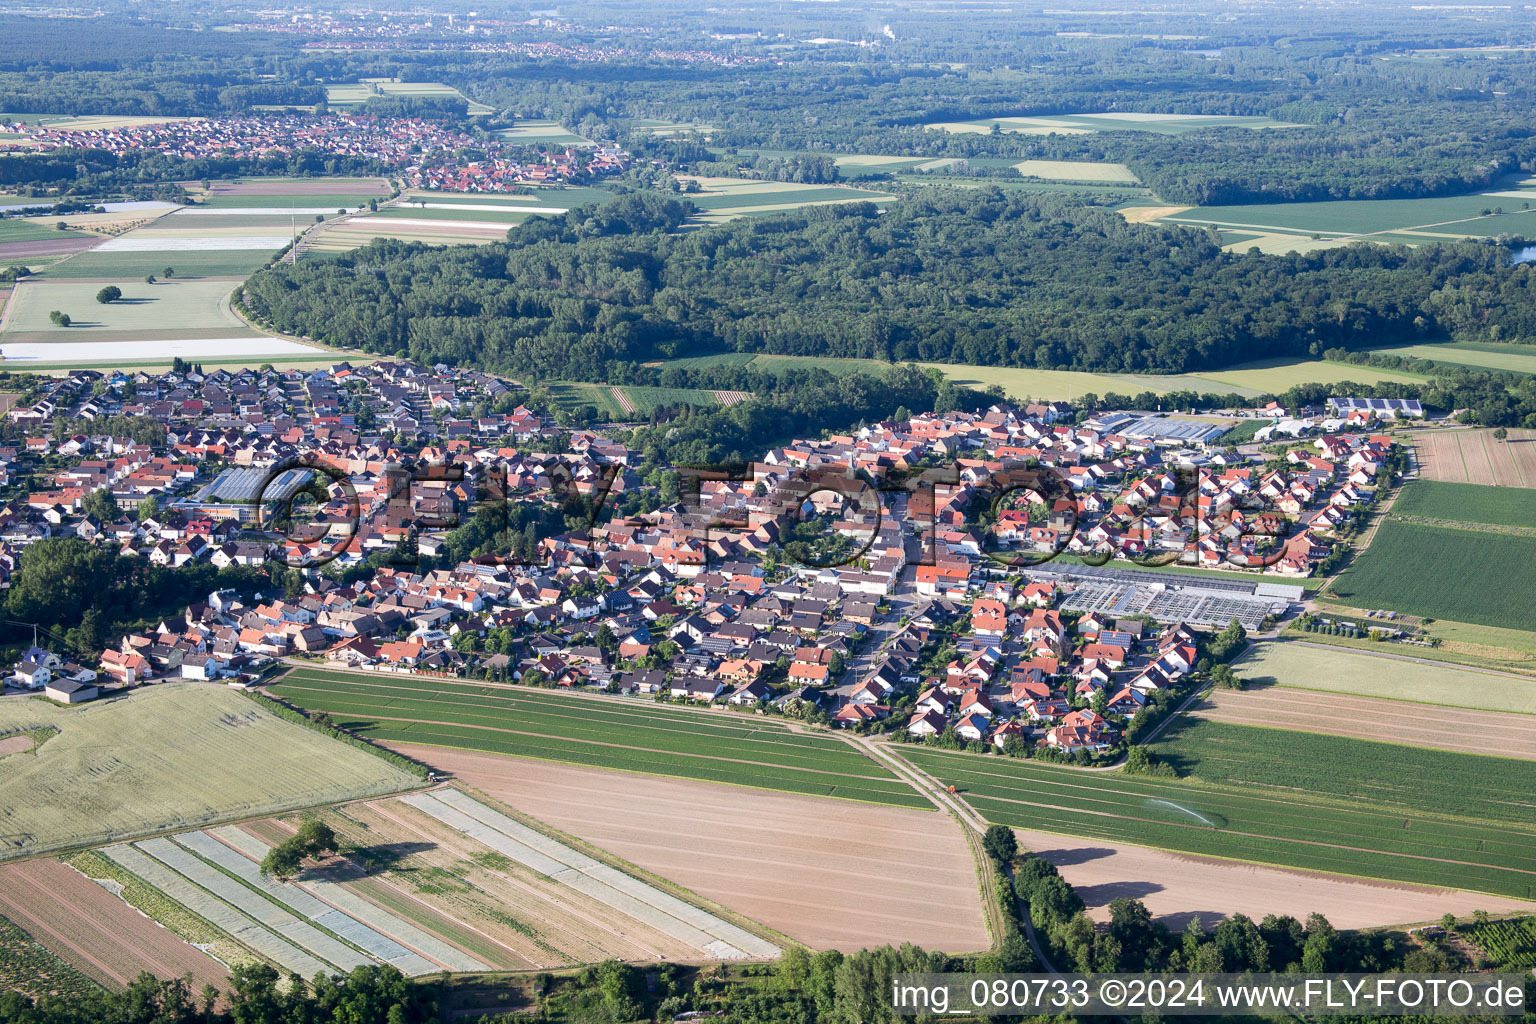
(970, 276)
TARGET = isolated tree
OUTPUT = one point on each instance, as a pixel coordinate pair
(169, 272)
(149, 279)
(111, 293)
(1000, 843)
(1500, 434)
(149, 507)
(313, 839)
(102, 505)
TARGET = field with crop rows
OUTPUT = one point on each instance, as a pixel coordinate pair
(1510, 944)
(1389, 775)
(31, 969)
(1468, 503)
(1286, 827)
(611, 733)
(1464, 575)
(1477, 457)
(173, 755)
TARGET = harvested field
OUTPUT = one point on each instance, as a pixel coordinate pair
(1297, 663)
(1373, 718)
(299, 186)
(85, 925)
(173, 755)
(776, 858)
(1476, 457)
(730, 398)
(1177, 887)
(1076, 170)
(623, 400)
(1147, 214)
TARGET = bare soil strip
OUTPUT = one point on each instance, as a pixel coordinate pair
(818, 871)
(1176, 887)
(1374, 718)
(623, 400)
(86, 925)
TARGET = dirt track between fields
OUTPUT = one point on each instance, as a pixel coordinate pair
(1373, 718)
(1176, 887)
(829, 873)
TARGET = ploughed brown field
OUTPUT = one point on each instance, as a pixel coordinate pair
(828, 873)
(1475, 457)
(87, 926)
(1374, 718)
(1176, 887)
(47, 247)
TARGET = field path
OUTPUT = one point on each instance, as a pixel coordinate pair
(931, 788)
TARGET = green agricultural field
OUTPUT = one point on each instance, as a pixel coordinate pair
(1448, 216)
(541, 133)
(1471, 576)
(1339, 670)
(787, 196)
(1244, 431)
(1285, 826)
(1413, 780)
(1483, 355)
(1468, 503)
(648, 399)
(637, 735)
(171, 305)
(13, 230)
(133, 266)
(168, 757)
(30, 968)
(570, 396)
(1510, 944)
(354, 93)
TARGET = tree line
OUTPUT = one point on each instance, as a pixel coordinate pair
(969, 276)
